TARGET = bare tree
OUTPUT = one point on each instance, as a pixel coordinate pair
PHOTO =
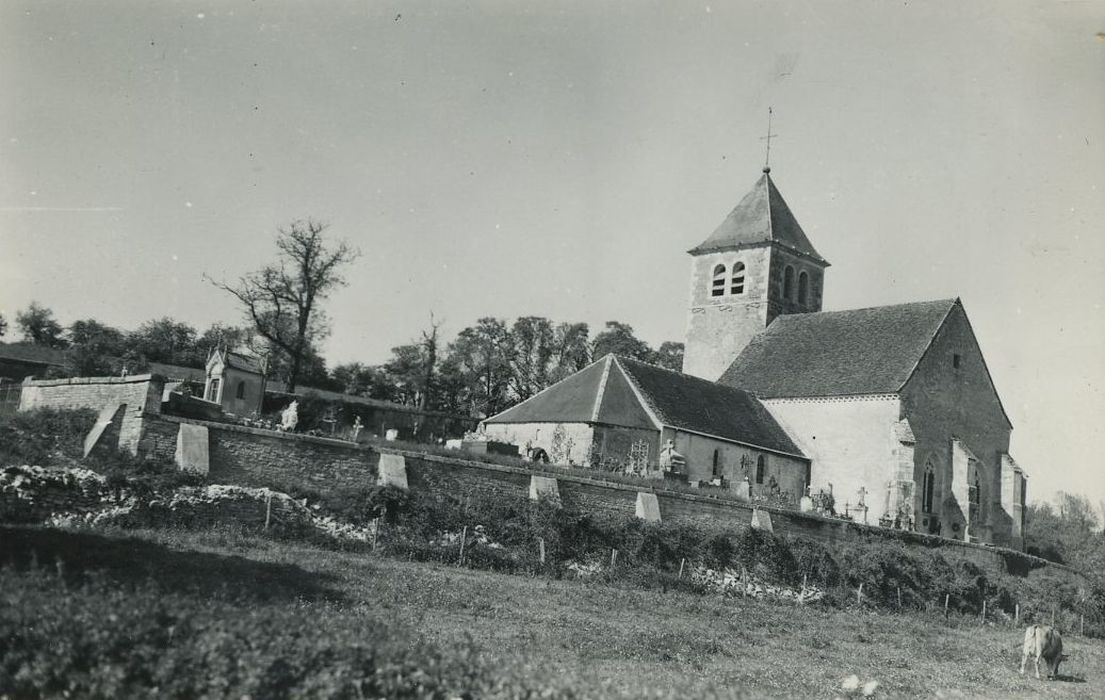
(281, 299)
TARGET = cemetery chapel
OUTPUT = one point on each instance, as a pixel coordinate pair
(890, 409)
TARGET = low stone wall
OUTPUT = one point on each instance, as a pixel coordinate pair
(141, 394)
(263, 458)
(256, 457)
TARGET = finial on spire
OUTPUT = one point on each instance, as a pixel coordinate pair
(767, 156)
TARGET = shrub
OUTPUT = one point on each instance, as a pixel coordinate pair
(42, 435)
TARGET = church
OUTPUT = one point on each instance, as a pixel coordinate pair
(889, 409)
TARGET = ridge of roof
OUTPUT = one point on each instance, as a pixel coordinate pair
(762, 217)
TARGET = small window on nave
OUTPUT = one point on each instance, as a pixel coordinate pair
(241, 392)
(737, 283)
(803, 287)
(717, 289)
(761, 467)
(788, 283)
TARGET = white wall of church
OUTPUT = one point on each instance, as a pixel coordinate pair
(565, 443)
(852, 443)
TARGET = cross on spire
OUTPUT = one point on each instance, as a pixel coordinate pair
(767, 156)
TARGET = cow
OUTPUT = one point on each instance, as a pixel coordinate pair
(1043, 642)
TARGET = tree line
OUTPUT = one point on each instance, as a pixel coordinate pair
(486, 368)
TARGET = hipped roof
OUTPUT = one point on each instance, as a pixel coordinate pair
(761, 217)
(618, 391)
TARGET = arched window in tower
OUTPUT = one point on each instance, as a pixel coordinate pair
(736, 285)
(761, 467)
(718, 287)
(803, 287)
(241, 392)
(788, 283)
(928, 488)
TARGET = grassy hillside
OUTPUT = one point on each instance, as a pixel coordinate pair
(293, 612)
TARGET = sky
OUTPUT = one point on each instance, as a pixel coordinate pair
(510, 159)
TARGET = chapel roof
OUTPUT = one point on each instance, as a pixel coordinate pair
(623, 392)
(838, 353)
(237, 360)
(761, 217)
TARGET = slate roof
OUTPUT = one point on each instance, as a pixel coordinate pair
(610, 391)
(761, 217)
(31, 353)
(237, 360)
(838, 353)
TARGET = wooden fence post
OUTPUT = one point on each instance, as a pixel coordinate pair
(682, 563)
(463, 539)
(899, 597)
(1017, 614)
(984, 611)
(1082, 625)
(268, 510)
(859, 595)
(947, 597)
(541, 544)
(613, 557)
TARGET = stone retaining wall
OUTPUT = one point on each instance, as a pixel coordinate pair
(255, 457)
(141, 394)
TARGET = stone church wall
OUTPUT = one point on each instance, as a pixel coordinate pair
(718, 328)
(851, 441)
(738, 462)
(945, 402)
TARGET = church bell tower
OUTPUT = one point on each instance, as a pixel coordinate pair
(757, 265)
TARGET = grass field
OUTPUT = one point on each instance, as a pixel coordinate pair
(568, 637)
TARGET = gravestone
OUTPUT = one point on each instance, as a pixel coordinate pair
(192, 451)
(109, 415)
(392, 471)
(761, 520)
(743, 490)
(805, 504)
(648, 507)
(543, 487)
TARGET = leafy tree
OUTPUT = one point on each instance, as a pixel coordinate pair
(1067, 531)
(37, 324)
(166, 340)
(573, 350)
(479, 359)
(670, 355)
(281, 300)
(407, 371)
(94, 348)
(618, 339)
(530, 353)
(3, 325)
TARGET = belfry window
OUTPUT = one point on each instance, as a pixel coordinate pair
(973, 494)
(737, 282)
(803, 287)
(928, 487)
(718, 287)
(788, 283)
(761, 468)
(241, 393)
(213, 390)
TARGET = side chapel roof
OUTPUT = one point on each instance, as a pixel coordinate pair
(622, 392)
(838, 353)
(761, 217)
